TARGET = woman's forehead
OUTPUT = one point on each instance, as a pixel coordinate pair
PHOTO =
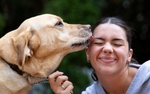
(109, 29)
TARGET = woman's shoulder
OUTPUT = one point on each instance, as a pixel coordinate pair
(90, 89)
(141, 79)
(143, 71)
(147, 63)
(144, 65)
(95, 88)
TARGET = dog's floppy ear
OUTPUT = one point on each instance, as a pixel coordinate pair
(22, 45)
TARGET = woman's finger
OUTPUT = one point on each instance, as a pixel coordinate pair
(53, 76)
(59, 83)
(69, 89)
(66, 84)
(61, 79)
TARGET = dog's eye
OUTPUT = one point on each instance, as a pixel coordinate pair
(59, 23)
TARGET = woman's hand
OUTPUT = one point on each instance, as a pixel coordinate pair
(59, 83)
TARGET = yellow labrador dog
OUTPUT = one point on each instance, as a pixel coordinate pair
(35, 49)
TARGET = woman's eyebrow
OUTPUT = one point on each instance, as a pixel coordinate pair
(99, 38)
(115, 39)
(118, 39)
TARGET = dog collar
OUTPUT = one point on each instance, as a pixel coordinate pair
(14, 67)
(35, 80)
(31, 79)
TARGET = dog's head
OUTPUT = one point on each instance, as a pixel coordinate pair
(41, 42)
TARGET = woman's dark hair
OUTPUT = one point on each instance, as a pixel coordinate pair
(118, 22)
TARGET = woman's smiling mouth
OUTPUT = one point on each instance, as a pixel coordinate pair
(107, 59)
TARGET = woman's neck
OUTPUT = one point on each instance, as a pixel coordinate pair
(118, 84)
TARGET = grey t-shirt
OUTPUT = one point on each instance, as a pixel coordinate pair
(139, 85)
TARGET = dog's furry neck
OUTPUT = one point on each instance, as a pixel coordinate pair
(8, 77)
(32, 80)
(14, 67)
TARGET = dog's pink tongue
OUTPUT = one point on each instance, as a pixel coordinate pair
(91, 38)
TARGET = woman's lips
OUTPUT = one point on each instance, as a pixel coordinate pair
(107, 59)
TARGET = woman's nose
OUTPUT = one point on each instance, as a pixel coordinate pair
(107, 48)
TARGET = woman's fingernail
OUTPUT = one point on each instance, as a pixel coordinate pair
(71, 92)
(60, 72)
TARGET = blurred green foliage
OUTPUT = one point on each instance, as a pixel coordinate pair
(74, 11)
(135, 12)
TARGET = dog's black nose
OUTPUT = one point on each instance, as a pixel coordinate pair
(87, 26)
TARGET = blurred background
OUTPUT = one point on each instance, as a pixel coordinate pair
(135, 12)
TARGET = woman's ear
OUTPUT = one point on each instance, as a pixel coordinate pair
(130, 55)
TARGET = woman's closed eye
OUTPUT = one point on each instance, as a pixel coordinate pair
(117, 44)
(99, 43)
(113, 44)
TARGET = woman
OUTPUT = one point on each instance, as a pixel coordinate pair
(110, 55)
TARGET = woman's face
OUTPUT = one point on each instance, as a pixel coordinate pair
(109, 52)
